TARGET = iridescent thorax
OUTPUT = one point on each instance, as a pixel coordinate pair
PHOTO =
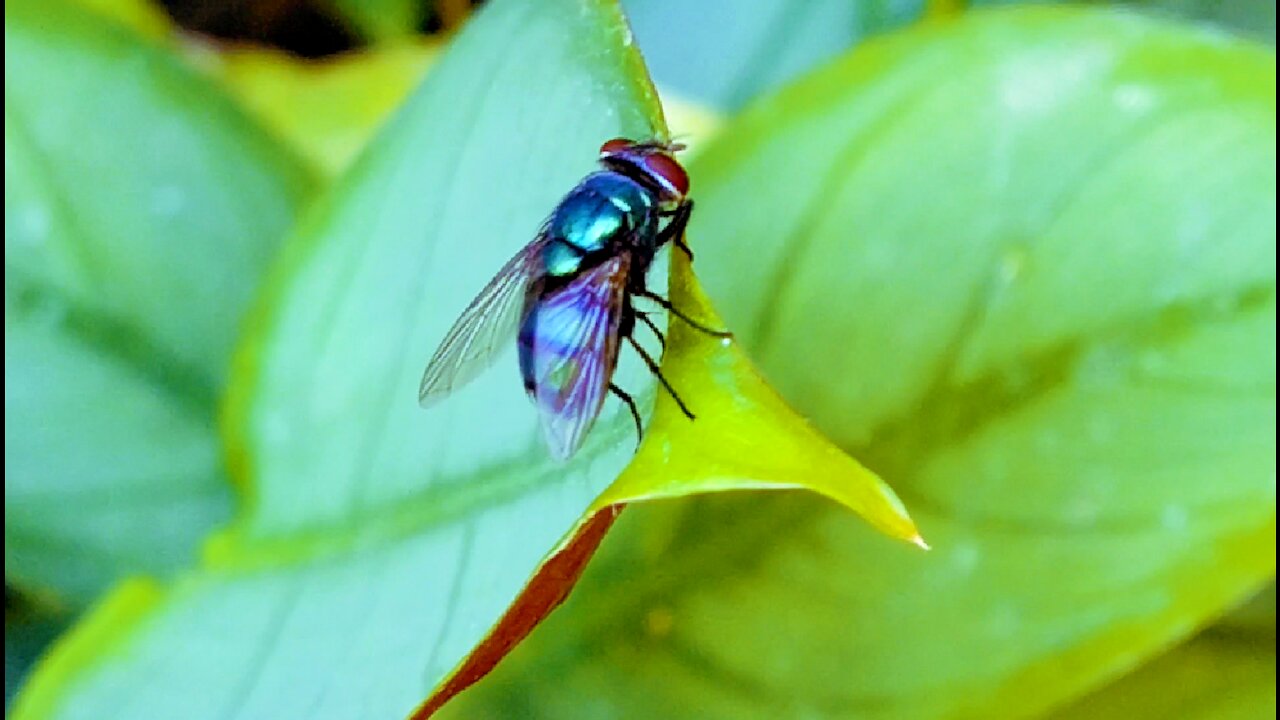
(607, 212)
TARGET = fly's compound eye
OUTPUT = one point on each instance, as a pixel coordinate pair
(668, 173)
(615, 146)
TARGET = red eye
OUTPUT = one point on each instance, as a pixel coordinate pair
(668, 173)
(615, 146)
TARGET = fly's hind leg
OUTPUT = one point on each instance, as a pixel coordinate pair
(653, 367)
(631, 405)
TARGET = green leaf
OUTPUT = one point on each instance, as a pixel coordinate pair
(140, 211)
(1023, 264)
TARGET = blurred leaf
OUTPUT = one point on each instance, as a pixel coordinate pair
(140, 211)
(1216, 676)
(1039, 296)
(716, 53)
(145, 17)
(383, 19)
(326, 110)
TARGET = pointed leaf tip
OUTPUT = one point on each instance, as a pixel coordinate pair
(745, 436)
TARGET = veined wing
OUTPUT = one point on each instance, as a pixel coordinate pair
(484, 327)
(569, 349)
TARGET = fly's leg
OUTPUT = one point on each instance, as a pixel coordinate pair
(631, 405)
(653, 367)
(665, 303)
(674, 231)
(644, 318)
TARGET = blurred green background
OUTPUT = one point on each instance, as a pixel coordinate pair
(1018, 259)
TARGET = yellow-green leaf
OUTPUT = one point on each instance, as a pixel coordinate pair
(744, 437)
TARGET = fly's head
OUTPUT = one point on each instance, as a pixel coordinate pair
(652, 163)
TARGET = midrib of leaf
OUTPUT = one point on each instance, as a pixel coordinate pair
(186, 386)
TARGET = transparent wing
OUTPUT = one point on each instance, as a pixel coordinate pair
(572, 351)
(488, 323)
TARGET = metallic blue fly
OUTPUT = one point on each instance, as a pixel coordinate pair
(568, 294)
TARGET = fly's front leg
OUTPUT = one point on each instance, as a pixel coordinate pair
(674, 231)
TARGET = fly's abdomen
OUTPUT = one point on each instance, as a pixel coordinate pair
(550, 359)
(568, 347)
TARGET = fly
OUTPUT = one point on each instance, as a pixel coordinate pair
(568, 295)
